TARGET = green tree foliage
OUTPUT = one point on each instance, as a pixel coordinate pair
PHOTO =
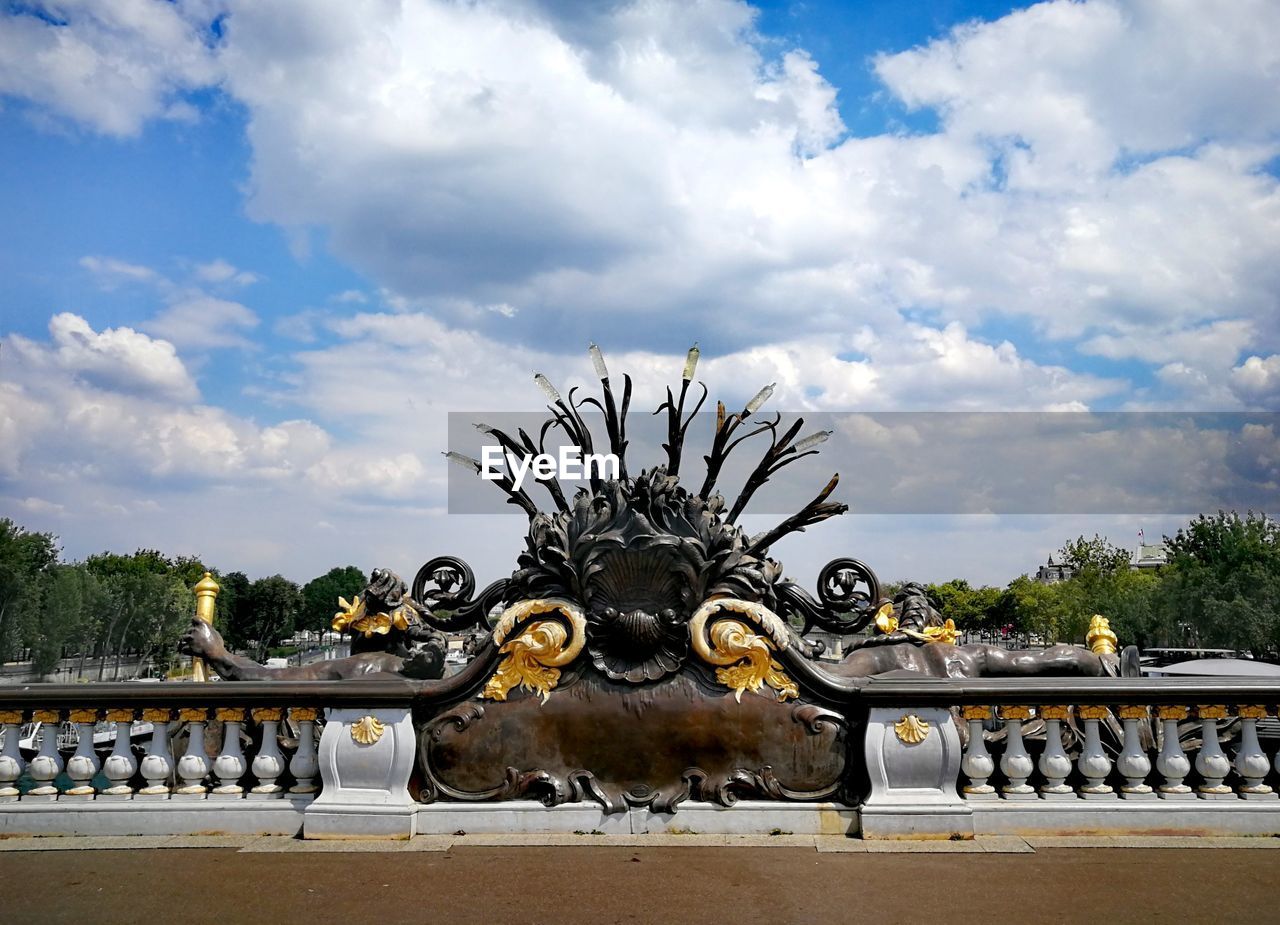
(1094, 555)
(24, 559)
(320, 596)
(1222, 585)
(270, 613)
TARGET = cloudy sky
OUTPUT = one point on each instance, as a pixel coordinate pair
(253, 254)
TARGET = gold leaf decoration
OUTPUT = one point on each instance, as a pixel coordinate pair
(367, 730)
(354, 617)
(230, 714)
(1171, 711)
(535, 656)
(1251, 712)
(10, 717)
(976, 711)
(886, 622)
(83, 716)
(304, 714)
(744, 658)
(911, 729)
(1092, 711)
(1100, 639)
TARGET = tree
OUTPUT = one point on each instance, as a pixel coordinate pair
(1096, 555)
(1221, 587)
(971, 608)
(24, 557)
(320, 596)
(270, 613)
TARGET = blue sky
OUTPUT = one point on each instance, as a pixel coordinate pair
(248, 269)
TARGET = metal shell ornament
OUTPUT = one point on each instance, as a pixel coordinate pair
(367, 730)
(911, 729)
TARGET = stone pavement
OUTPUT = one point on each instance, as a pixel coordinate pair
(455, 880)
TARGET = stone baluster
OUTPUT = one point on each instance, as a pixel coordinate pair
(84, 765)
(1054, 762)
(1212, 762)
(1133, 763)
(1251, 762)
(1093, 763)
(157, 764)
(1172, 763)
(1016, 763)
(11, 763)
(120, 765)
(304, 765)
(47, 764)
(268, 763)
(977, 763)
(194, 765)
(230, 765)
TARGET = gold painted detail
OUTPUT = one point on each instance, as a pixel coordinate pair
(267, 714)
(536, 654)
(1211, 711)
(976, 712)
(10, 717)
(1251, 712)
(1170, 711)
(886, 622)
(744, 658)
(1019, 713)
(1057, 711)
(120, 716)
(83, 716)
(1100, 639)
(944, 633)
(1132, 711)
(355, 618)
(304, 714)
(193, 714)
(1092, 711)
(230, 714)
(156, 715)
(46, 716)
(367, 730)
(911, 729)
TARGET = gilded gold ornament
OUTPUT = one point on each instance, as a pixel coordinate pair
(304, 714)
(886, 622)
(10, 717)
(120, 716)
(367, 730)
(1211, 711)
(1170, 711)
(355, 618)
(46, 716)
(83, 716)
(976, 712)
(911, 729)
(156, 714)
(1132, 711)
(193, 714)
(1092, 712)
(945, 633)
(745, 658)
(1056, 711)
(1020, 713)
(267, 714)
(534, 657)
(230, 714)
(1100, 640)
(1251, 712)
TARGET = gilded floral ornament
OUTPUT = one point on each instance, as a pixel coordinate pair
(354, 617)
(744, 658)
(911, 729)
(1100, 640)
(944, 633)
(367, 730)
(535, 656)
(886, 622)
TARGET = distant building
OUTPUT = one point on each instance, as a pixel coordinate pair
(1051, 573)
(1150, 556)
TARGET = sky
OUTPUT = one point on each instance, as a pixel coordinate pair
(252, 255)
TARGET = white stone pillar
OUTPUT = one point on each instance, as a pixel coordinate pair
(11, 763)
(120, 765)
(1054, 762)
(1016, 762)
(1212, 761)
(1251, 761)
(1093, 763)
(1172, 762)
(84, 765)
(47, 764)
(230, 765)
(977, 763)
(304, 765)
(157, 764)
(268, 763)
(194, 765)
(1133, 763)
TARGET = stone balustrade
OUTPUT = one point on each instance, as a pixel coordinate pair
(1114, 755)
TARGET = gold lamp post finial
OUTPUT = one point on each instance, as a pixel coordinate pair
(206, 596)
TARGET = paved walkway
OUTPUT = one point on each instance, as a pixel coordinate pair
(653, 878)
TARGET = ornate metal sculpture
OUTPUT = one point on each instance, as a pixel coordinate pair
(647, 645)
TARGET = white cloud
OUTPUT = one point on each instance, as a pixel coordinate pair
(219, 271)
(110, 272)
(198, 320)
(1257, 381)
(109, 66)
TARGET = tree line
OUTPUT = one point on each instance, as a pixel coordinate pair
(111, 607)
(1219, 589)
